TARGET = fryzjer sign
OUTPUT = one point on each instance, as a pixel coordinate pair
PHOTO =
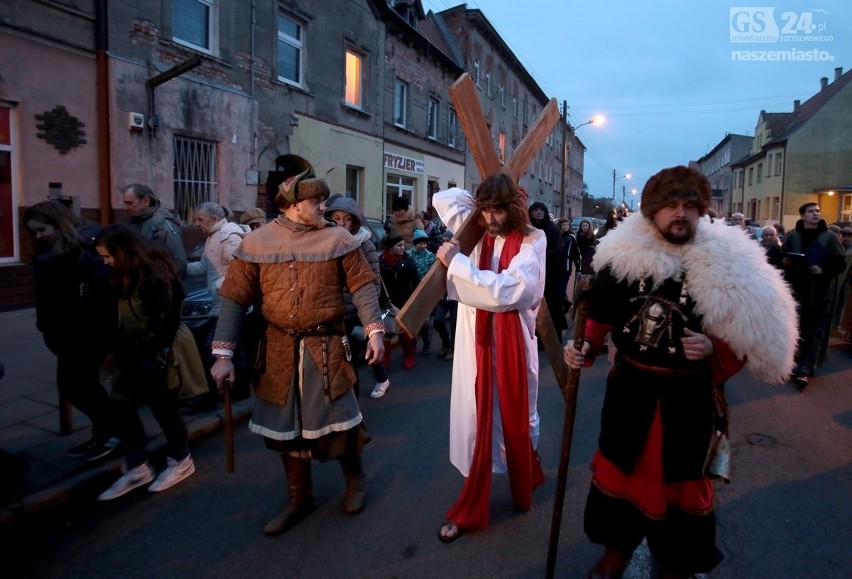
(401, 163)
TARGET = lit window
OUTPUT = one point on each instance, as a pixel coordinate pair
(354, 63)
(400, 103)
(9, 248)
(291, 43)
(194, 24)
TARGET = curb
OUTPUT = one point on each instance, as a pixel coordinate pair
(84, 484)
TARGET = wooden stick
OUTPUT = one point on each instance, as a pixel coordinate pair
(570, 393)
(228, 422)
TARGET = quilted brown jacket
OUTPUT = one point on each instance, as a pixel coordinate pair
(298, 274)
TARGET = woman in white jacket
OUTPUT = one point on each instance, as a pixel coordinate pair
(223, 239)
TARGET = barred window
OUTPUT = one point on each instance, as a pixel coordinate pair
(195, 174)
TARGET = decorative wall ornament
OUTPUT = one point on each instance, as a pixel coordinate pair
(60, 129)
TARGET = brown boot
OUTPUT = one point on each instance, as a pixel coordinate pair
(300, 493)
(356, 485)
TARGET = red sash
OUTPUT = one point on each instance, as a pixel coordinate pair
(499, 341)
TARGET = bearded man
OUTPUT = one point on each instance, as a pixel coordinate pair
(499, 288)
(670, 287)
(295, 270)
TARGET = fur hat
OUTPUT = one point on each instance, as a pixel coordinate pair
(254, 215)
(675, 183)
(300, 187)
(418, 236)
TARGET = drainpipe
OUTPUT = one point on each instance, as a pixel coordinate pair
(103, 112)
(783, 183)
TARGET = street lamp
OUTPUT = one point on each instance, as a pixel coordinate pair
(618, 178)
(596, 120)
(632, 192)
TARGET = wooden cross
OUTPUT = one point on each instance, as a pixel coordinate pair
(433, 286)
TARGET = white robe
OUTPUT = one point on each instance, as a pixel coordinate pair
(519, 287)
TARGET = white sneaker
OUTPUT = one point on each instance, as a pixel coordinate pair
(173, 474)
(132, 479)
(380, 389)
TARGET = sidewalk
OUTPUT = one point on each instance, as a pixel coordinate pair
(29, 428)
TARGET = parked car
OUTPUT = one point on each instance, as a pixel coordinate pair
(377, 228)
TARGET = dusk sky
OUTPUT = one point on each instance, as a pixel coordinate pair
(663, 73)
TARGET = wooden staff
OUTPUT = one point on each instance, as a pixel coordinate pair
(570, 394)
(228, 420)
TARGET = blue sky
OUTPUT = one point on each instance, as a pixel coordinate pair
(663, 73)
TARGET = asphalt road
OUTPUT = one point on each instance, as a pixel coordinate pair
(787, 512)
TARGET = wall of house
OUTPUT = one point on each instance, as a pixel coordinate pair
(428, 77)
(36, 82)
(331, 147)
(819, 155)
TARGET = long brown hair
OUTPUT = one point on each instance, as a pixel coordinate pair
(58, 215)
(499, 190)
(136, 259)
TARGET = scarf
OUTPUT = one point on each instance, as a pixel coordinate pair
(499, 342)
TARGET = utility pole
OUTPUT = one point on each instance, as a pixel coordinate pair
(613, 184)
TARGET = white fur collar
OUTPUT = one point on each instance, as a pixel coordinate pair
(742, 299)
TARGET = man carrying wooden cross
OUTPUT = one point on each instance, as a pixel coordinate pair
(499, 286)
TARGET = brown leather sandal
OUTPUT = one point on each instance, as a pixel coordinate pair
(449, 531)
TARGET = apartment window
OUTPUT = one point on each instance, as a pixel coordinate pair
(778, 164)
(750, 176)
(194, 174)
(476, 72)
(515, 106)
(400, 103)
(502, 92)
(398, 186)
(760, 172)
(354, 78)
(453, 129)
(354, 177)
(291, 47)
(8, 199)
(194, 24)
(434, 115)
(501, 146)
(488, 90)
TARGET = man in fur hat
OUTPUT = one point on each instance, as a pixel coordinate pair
(295, 270)
(499, 288)
(670, 288)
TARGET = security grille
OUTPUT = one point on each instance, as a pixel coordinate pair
(195, 174)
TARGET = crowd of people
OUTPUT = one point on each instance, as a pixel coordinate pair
(297, 304)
